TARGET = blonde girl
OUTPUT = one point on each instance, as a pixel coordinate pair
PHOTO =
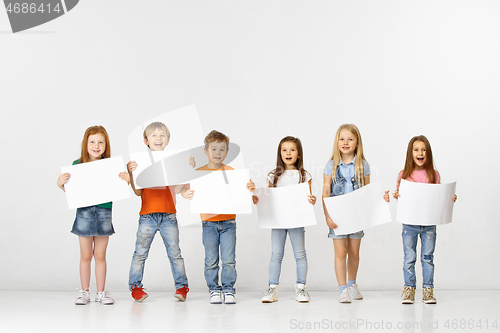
(419, 167)
(346, 171)
(93, 224)
(289, 171)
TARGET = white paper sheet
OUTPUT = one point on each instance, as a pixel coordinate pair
(285, 207)
(221, 192)
(359, 210)
(95, 182)
(425, 204)
(171, 166)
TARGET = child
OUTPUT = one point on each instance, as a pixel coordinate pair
(289, 171)
(346, 171)
(93, 224)
(419, 167)
(157, 214)
(219, 230)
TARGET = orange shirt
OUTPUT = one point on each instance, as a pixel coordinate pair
(158, 200)
(216, 217)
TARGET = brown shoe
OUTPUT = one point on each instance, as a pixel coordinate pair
(428, 296)
(408, 295)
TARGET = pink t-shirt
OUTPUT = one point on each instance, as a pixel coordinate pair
(418, 176)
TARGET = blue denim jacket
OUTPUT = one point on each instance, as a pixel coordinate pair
(339, 184)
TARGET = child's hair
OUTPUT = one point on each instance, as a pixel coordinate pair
(84, 154)
(336, 154)
(410, 163)
(155, 126)
(215, 136)
(280, 165)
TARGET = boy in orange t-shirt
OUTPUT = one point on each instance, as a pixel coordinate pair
(157, 214)
(219, 230)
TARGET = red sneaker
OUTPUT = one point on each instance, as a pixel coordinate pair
(138, 293)
(181, 293)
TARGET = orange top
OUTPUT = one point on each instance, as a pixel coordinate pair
(216, 217)
(158, 200)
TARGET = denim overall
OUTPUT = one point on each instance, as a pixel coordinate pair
(339, 184)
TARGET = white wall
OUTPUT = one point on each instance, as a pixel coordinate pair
(257, 71)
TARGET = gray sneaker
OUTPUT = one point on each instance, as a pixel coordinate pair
(301, 295)
(354, 292)
(344, 297)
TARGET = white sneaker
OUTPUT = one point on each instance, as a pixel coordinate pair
(215, 297)
(229, 298)
(271, 294)
(301, 295)
(83, 297)
(104, 297)
(354, 292)
(344, 297)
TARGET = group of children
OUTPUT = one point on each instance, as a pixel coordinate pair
(346, 171)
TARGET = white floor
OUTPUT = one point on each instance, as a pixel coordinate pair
(456, 311)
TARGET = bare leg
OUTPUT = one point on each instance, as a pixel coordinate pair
(340, 247)
(86, 253)
(353, 257)
(100, 246)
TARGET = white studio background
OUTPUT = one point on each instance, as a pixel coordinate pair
(257, 71)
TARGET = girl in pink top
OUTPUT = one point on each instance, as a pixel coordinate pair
(419, 167)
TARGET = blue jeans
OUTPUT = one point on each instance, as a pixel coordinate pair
(220, 234)
(149, 224)
(410, 239)
(278, 239)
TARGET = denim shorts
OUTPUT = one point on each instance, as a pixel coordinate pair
(93, 221)
(356, 235)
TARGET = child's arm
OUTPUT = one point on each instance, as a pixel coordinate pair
(386, 196)
(184, 190)
(251, 186)
(192, 162)
(327, 183)
(63, 179)
(311, 198)
(131, 166)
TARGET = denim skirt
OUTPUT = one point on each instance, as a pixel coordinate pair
(93, 221)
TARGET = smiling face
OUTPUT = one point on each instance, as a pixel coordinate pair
(419, 154)
(96, 146)
(157, 140)
(216, 152)
(289, 154)
(347, 143)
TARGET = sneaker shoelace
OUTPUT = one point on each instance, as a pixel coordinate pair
(428, 294)
(270, 291)
(302, 292)
(406, 292)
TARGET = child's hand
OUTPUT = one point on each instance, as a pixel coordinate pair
(63, 179)
(386, 196)
(455, 198)
(131, 166)
(192, 162)
(124, 176)
(251, 186)
(255, 199)
(396, 195)
(330, 224)
(187, 194)
(312, 199)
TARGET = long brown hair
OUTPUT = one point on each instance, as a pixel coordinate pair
(280, 165)
(84, 154)
(429, 162)
(336, 154)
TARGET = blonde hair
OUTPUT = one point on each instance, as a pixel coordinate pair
(84, 154)
(155, 126)
(336, 154)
